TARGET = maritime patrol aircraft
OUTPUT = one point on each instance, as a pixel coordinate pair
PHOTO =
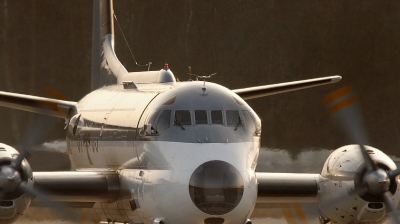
(150, 149)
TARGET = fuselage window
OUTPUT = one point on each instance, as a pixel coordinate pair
(216, 117)
(164, 121)
(182, 117)
(232, 118)
(249, 122)
(200, 116)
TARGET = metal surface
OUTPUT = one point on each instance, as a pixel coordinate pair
(161, 76)
(35, 104)
(267, 90)
(282, 187)
(79, 186)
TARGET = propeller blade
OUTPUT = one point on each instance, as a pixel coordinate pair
(21, 156)
(37, 195)
(10, 177)
(387, 195)
(33, 132)
(371, 164)
(22, 186)
(394, 173)
(342, 105)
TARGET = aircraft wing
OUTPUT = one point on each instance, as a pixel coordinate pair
(286, 198)
(87, 187)
(79, 187)
(35, 104)
(267, 90)
(287, 187)
(72, 186)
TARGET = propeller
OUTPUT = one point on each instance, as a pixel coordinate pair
(15, 173)
(343, 106)
(11, 175)
(14, 177)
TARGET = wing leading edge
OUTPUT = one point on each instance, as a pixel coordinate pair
(74, 186)
(35, 104)
(287, 187)
(267, 90)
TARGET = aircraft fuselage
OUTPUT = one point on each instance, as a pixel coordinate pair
(184, 147)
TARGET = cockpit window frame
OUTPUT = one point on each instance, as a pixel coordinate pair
(256, 122)
(247, 122)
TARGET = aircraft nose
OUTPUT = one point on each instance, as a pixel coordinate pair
(216, 187)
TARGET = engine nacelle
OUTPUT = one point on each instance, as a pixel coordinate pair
(341, 198)
(13, 203)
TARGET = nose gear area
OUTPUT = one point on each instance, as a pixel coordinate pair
(216, 187)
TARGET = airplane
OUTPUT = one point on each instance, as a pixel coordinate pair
(146, 148)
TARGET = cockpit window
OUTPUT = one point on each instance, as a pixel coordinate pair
(201, 116)
(249, 121)
(164, 121)
(216, 117)
(232, 117)
(182, 117)
(150, 122)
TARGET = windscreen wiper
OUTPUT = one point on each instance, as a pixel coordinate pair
(238, 124)
(179, 124)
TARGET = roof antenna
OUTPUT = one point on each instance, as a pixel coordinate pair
(190, 73)
(204, 77)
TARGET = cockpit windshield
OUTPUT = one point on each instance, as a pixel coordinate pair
(216, 117)
(158, 121)
(232, 117)
(200, 116)
(182, 117)
(164, 121)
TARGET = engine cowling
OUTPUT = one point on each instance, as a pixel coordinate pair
(13, 201)
(347, 194)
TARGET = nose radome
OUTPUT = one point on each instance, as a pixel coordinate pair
(216, 187)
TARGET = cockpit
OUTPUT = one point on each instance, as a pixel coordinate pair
(159, 121)
(198, 115)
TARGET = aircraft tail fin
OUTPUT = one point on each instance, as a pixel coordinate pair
(106, 67)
